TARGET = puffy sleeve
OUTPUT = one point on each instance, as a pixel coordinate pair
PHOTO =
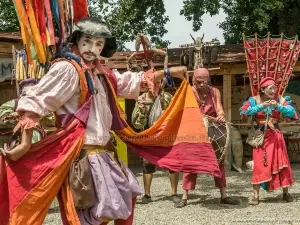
(250, 107)
(286, 109)
(128, 84)
(53, 91)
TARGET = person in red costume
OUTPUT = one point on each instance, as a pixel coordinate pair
(209, 101)
(272, 168)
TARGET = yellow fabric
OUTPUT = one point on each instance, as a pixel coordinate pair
(36, 37)
(121, 146)
(25, 28)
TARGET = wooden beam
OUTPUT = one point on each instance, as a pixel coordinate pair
(235, 69)
(227, 110)
(229, 69)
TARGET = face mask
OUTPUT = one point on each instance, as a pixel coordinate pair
(90, 47)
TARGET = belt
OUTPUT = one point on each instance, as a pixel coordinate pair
(93, 151)
(88, 147)
(97, 149)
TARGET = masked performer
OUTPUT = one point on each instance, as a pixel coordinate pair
(140, 120)
(209, 101)
(272, 168)
(79, 85)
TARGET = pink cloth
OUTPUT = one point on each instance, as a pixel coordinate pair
(278, 172)
(266, 82)
(189, 180)
(201, 72)
(149, 78)
(28, 121)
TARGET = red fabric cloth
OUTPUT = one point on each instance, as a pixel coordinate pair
(189, 180)
(38, 6)
(19, 179)
(129, 221)
(266, 82)
(167, 157)
(278, 171)
(80, 10)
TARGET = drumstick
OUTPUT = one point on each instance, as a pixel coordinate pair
(210, 117)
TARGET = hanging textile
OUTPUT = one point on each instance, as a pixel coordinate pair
(61, 10)
(49, 21)
(25, 28)
(270, 57)
(55, 11)
(38, 7)
(36, 38)
(80, 9)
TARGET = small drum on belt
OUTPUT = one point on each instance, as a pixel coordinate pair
(218, 134)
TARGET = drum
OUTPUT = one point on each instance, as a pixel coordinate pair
(218, 134)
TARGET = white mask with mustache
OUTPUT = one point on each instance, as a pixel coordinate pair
(90, 47)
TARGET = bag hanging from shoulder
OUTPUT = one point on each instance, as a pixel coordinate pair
(156, 110)
(256, 138)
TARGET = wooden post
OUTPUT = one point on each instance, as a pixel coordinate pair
(14, 70)
(227, 109)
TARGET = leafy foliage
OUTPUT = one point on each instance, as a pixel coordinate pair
(248, 16)
(8, 17)
(127, 18)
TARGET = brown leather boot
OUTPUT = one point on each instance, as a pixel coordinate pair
(287, 197)
(229, 201)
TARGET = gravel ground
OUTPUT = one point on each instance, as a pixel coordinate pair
(204, 208)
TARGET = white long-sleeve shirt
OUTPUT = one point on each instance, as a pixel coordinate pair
(59, 91)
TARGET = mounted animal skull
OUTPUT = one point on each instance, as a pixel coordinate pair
(198, 55)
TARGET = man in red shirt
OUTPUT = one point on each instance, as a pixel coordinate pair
(209, 101)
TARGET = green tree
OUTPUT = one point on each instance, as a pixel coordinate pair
(8, 17)
(248, 16)
(127, 18)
